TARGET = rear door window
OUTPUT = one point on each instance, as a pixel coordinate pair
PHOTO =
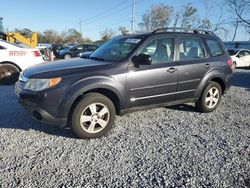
(190, 49)
(79, 48)
(91, 48)
(214, 47)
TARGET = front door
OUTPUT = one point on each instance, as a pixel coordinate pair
(77, 50)
(155, 83)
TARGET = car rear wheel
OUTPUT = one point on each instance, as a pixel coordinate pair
(93, 116)
(210, 98)
(8, 74)
(67, 56)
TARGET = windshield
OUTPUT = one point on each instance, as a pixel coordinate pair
(117, 49)
(232, 52)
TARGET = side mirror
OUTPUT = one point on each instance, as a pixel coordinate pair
(142, 59)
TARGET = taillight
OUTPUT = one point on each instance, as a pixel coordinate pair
(36, 53)
(230, 63)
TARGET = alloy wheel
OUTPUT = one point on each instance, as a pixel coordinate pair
(212, 97)
(95, 118)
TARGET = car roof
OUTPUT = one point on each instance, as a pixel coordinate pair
(142, 35)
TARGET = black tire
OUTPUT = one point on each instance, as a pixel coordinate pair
(96, 99)
(8, 74)
(67, 56)
(202, 105)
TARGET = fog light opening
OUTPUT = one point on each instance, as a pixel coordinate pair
(37, 116)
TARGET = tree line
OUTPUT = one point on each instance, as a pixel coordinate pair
(238, 14)
(162, 16)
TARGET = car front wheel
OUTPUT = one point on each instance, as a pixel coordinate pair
(210, 98)
(8, 74)
(67, 56)
(93, 116)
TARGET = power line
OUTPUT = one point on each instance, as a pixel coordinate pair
(114, 23)
(105, 12)
(111, 13)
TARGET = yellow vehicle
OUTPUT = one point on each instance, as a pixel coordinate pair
(17, 37)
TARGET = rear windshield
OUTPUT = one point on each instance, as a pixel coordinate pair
(232, 52)
(214, 47)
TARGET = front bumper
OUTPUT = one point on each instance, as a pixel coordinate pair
(34, 104)
(42, 115)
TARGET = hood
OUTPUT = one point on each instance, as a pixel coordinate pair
(63, 67)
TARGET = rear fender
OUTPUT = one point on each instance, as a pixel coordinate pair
(208, 77)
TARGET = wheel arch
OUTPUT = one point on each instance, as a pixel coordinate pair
(221, 82)
(215, 77)
(11, 63)
(110, 94)
(68, 53)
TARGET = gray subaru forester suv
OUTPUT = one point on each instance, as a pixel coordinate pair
(127, 72)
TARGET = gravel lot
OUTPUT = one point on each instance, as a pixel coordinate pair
(163, 147)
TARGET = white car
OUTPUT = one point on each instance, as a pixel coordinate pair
(14, 59)
(240, 57)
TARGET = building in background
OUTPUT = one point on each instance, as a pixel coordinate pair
(237, 44)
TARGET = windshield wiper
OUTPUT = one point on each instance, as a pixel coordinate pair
(97, 58)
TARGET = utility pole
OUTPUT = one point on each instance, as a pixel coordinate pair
(1, 25)
(80, 26)
(133, 18)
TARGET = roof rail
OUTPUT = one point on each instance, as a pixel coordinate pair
(202, 31)
(174, 29)
(166, 29)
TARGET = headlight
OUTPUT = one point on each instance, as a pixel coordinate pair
(41, 84)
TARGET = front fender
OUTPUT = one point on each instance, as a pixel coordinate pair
(87, 84)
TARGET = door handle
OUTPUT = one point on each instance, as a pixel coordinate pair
(207, 66)
(171, 70)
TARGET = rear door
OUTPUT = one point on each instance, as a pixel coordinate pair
(155, 83)
(76, 50)
(193, 65)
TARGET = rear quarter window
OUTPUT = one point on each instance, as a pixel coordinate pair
(214, 47)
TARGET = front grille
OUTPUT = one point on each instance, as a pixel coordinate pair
(19, 86)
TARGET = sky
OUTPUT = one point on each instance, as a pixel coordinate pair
(95, 15)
